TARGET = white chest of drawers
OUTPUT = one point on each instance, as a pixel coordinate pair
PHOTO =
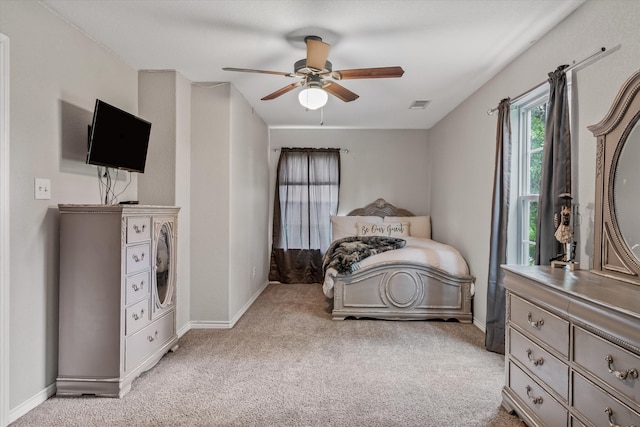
(572, 348)
(117, 288)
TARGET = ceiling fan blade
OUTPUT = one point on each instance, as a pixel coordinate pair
(340, 92)
(317, 53)
(282, 91)
(248, 70)
(368, 73)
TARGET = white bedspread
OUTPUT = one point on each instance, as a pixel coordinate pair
(419, 250)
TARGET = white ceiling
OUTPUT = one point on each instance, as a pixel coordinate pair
(448, 49)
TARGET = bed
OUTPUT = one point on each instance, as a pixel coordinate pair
(424, 279)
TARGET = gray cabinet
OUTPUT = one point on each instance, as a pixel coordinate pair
(572, 348)
(117, 295)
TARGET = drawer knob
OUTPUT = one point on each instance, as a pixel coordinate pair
(137, 258)
(535, 400)
(139, 229)
(621, 375)
(152, 338)
(535, 362)
(612, 422)
(538, 323)
(137, 316)
(137, 288)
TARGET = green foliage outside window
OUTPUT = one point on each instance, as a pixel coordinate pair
(537, 116)
(535, 147)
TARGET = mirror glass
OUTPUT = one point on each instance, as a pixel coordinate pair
(626, 200)
(163, 257)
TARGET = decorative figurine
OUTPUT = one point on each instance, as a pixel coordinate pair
(564, 235)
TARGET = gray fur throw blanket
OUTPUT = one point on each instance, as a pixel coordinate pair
(345, 254)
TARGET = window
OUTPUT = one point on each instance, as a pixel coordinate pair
(308, 181)
(308, 186)
(528, 141)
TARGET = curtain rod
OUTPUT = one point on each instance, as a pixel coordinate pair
(569, 68)
(342, 150)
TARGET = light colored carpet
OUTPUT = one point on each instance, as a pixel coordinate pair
(286, 363)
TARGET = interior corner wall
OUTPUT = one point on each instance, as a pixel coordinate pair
(183, 200)
(165, 101)
(56, 75)
(157, 104)
(394, 164)
(210, 204)
(249, 201)
(464, 141)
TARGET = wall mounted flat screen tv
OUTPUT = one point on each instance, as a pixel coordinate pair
(118, 139)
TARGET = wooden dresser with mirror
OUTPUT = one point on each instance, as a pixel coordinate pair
(572, 338)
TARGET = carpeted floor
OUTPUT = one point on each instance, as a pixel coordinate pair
(286, 363)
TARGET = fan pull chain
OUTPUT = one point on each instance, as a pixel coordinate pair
(322, 116)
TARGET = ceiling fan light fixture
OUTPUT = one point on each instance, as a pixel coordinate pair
(313, 97)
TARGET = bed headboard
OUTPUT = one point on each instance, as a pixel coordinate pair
(380, 208)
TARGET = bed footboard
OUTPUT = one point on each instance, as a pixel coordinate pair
(403, 291)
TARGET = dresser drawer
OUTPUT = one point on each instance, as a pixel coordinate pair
(138, 229)
(541, 324)
(145, 342)
(539, 362)
(536, 398)
(576, 423)
(137, 258)
(137, 316)
(598, 357)
(137, 287)
(599, 407)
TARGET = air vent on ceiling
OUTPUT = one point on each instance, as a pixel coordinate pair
(419, 105)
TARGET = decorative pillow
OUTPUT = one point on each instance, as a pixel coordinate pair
(345, 226)
(419, 226)
(388, 229)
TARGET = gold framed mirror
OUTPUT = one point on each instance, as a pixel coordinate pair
(617, 205)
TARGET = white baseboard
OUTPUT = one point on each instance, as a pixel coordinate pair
(31, 403)
(210, 324)
(226, 324)
(479, 325)
(183, 330)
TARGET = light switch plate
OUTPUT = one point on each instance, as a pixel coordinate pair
(43, 189)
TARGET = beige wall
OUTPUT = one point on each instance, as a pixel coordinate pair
(228, 203)
(56, 75)
(249, 199)
(210, 195)
(158, 104)
(392, 164)
(183, 199)
(165, 100)
(464, 142)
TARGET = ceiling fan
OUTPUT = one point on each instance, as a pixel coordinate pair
(318, 76)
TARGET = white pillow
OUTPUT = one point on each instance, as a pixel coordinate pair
(345, 226)
(387, 229)
(419, 226)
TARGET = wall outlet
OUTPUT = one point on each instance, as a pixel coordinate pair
(43, 189)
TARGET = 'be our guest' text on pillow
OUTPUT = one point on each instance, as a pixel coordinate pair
(394, 229)
(345, 226)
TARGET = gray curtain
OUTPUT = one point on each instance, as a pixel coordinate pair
(307, 185)
(556, 167)
(494, 338)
